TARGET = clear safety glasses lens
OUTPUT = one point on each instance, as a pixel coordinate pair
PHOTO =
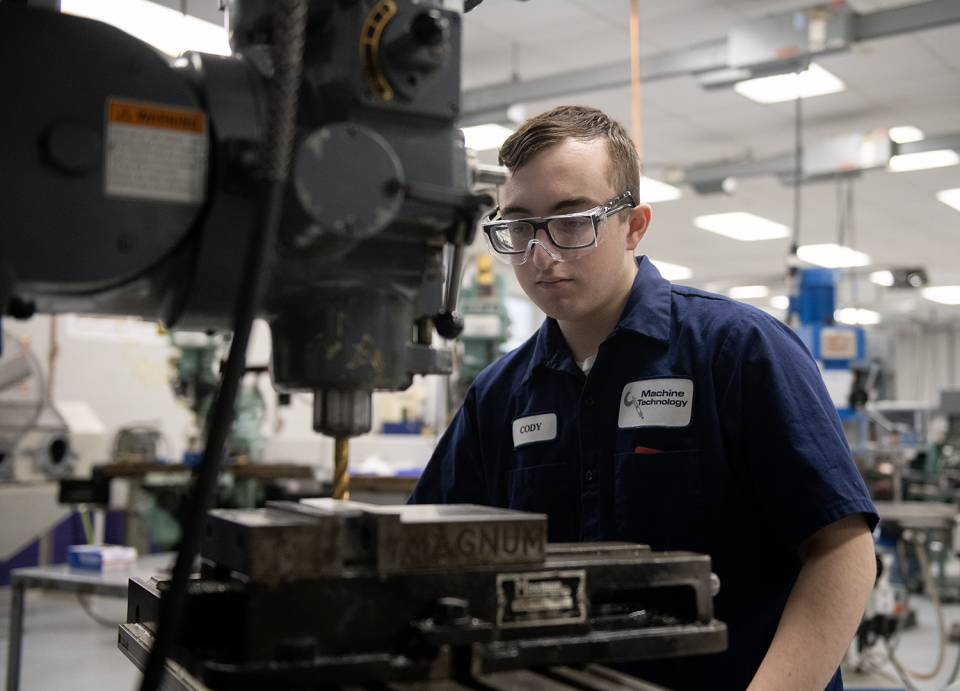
(569, 236)
(565, 233)
(556, 253)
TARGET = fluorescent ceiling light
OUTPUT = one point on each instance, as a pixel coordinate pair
(950, 198)
(483, 137)
(905, 133)
(741, 225)
(746, 292)
(165, 29)
(924, 159)
(946, 295)
(814, 81)
(517, 113)
(780, 302)
(655, 191)
(832, 256)
(882, 278)
(852, 315)
(672, 272)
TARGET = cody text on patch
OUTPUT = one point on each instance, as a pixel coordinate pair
(533, 428)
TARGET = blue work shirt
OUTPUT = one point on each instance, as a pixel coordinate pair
(704, 425)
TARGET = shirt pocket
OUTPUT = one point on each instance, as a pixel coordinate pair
(545, 489)
(659, 500)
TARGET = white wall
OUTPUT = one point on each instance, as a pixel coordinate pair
(928, 360)
(124, 379)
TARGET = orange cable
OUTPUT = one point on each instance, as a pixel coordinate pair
(635, 73)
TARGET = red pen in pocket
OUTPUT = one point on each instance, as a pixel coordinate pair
(644, 449)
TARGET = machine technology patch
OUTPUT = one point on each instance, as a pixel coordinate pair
(155, 152)
(666, 402)
(541, 599)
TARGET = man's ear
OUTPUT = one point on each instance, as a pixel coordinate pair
(639, 222)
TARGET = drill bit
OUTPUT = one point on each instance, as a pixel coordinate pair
(341, 478)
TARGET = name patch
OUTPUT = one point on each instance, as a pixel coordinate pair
(664, 402)
(527, 430)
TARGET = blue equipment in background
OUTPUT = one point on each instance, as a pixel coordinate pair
(834, 346)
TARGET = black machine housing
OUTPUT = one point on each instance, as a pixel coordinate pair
(378, 191)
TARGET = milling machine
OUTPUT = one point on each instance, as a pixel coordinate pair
(316, 178)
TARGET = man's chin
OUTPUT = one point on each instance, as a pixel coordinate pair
(561, 309)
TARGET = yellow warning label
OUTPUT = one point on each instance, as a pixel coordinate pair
(155, 152)
(130, 113)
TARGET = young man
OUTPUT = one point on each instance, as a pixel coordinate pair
(664, 415)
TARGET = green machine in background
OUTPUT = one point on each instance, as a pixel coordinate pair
(194, 378)
(486, 324)
(157, 498)
(196, 365)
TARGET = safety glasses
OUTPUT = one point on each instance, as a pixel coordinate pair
(571, 235)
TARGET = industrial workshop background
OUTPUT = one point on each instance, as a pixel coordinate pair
(804, 159)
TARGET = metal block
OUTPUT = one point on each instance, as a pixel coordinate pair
(411, 538)
(287, 541)
(424, 537)
(270, 545)
(355, 544)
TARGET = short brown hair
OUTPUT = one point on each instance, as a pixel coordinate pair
(582, 123)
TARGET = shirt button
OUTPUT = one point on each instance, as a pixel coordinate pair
(588, 402)
(589, 476)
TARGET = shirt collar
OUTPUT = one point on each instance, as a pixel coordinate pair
(648, 307)
(552, 351)
(647, 313)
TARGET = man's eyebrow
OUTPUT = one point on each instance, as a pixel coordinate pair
(575, 202)
(514, 209)
(562, 205)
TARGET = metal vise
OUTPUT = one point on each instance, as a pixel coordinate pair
(325, 592)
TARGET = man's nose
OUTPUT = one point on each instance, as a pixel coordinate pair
(541, 257)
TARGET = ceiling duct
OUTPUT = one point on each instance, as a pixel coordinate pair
(825, 159)
(754, 49)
